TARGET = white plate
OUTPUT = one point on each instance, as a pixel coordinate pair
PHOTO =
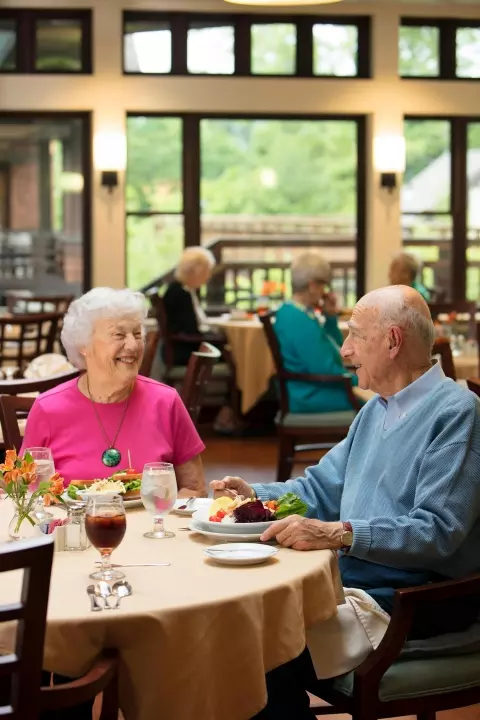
(193, 506)
(230, 528)
(240, 553)
(129, 503)
(224, 537)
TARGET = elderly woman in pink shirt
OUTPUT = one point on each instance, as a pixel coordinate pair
(91, 424)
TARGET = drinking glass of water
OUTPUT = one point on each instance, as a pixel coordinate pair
(45, 468)
(158, 492)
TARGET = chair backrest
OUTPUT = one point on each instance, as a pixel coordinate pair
(158, 306)
(274, 345)
(36, 385)
(442, 348)
(21, 670)
(198, 374)
(24, 337)
(473, 385)
(151, 344)
(283, 376)
(17, 303)
(12, 410)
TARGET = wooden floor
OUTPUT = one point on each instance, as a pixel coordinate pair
(254, 459)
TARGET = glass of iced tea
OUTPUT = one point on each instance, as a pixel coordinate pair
(159, 492)
(105, 525)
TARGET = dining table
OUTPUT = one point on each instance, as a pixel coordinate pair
(195, 638)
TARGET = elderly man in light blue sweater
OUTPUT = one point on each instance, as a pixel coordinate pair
(399, 498)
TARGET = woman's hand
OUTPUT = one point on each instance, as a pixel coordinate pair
(330, 304)
(231, 487)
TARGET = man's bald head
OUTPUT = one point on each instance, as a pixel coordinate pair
(402, 306)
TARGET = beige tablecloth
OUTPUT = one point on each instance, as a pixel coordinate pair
(252, 356)
(195, 638)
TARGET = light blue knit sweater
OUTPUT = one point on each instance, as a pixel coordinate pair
(412, 493)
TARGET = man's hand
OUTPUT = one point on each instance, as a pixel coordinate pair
(231, 487)
(330, 304)
(302, 533)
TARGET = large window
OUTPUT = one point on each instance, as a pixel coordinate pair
(473, 211)
(427, 199)
(257, 191)
(440, 197)
(45, 203)
(445, 48)
(155, 226)
(45, 41)
(258, 45)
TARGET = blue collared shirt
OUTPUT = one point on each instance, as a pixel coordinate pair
(399, 405)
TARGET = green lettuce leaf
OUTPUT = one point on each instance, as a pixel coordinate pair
(290, 504)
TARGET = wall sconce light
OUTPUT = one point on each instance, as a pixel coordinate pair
(110, 157)
(389, 159)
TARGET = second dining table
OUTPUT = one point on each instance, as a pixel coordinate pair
(195, 638)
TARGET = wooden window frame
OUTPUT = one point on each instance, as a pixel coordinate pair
(191, 177)
(26, 45)
(180, 22)
(447, 49)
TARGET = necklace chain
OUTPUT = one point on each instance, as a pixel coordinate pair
(111, 445)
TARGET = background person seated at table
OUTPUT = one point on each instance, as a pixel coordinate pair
(406, 269)
(185, 315)
(307, 345)
(182, 307)
(91, 423)
(399, 497)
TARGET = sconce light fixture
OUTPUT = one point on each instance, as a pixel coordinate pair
(110, 157)
(389, 159)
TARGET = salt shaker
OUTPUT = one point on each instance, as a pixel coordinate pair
(75, 534)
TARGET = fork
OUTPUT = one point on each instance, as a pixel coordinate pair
(184, 507)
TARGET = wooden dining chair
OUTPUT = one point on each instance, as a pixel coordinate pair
(21, 694)
(151, 345)
(473, 385)
(224, 373)
(198, 375)
(25, 337)
(407, 677)
(300, 432)
(14, 409)
(20, 671)
(21, 304)
(442, 349)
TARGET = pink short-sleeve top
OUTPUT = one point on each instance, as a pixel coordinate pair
(156, 428)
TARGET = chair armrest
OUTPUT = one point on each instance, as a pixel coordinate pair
(344, 379)
(58, 697)
(407, 602)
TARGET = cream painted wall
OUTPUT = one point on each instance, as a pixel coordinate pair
(109, 96)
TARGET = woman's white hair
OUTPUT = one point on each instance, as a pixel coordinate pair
(309, 267)
(192, 258)
(101, 302)
(394, 310)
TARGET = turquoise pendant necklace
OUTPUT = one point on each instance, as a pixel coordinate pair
(111, 457)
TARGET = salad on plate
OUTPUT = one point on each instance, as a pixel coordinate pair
(230, 511)
(125, 482)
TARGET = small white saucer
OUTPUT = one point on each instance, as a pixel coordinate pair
(240, 553)
(192, 506)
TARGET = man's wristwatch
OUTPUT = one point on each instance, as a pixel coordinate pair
(347, 537)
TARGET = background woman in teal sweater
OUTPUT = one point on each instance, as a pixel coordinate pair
(310, 342)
